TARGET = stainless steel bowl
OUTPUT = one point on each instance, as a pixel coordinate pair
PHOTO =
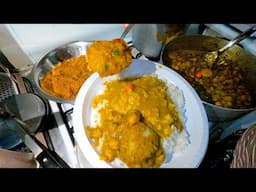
(49, 61)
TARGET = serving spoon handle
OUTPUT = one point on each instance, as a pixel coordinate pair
(126, 31)
(213, 56)
(238, 38)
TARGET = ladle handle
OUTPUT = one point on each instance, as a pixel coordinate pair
(126, 31)
(238, 38)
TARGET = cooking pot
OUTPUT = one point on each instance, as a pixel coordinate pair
(150, 38)
(245, 60)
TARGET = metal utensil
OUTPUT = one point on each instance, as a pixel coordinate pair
(46, 157)
(126, 31)
(213, 56)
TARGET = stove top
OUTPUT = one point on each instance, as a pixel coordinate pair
(58, 130)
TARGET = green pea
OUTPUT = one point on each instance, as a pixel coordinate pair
(116, 52)
(105, 67)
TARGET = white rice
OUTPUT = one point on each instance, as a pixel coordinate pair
(178, 141)
(175, 144)
(96, 115)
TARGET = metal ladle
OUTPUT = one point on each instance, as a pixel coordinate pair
(213, 56)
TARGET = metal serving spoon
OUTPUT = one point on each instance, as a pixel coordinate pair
(126, 31)
(213, 56)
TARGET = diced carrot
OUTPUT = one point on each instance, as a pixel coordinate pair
(198, 74)
(129, 87)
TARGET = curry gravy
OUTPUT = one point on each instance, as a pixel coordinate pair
(137, 114)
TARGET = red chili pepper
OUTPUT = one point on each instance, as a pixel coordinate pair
(198, 74)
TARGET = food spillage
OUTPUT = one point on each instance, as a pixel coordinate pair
(137, 116)
(109, 57)
(223, 86)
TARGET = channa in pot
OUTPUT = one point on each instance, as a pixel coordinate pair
(236, 55)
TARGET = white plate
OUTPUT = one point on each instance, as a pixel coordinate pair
(196, 123)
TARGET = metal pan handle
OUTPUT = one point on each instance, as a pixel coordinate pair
(50, 159)
(46, 158)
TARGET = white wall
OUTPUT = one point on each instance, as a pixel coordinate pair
(25, 43)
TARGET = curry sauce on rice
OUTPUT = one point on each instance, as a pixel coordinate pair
(136, 117)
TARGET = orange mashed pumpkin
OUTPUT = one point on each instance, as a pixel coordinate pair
(66, 78)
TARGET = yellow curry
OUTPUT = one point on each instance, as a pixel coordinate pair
(108, 57)
(137, 114)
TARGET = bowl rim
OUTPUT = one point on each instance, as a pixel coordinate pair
(36, 77)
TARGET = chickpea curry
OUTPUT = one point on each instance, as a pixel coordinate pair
(135, 117)
(225, 85)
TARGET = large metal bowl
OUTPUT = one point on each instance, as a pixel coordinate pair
(237, 54)
(49, 61)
